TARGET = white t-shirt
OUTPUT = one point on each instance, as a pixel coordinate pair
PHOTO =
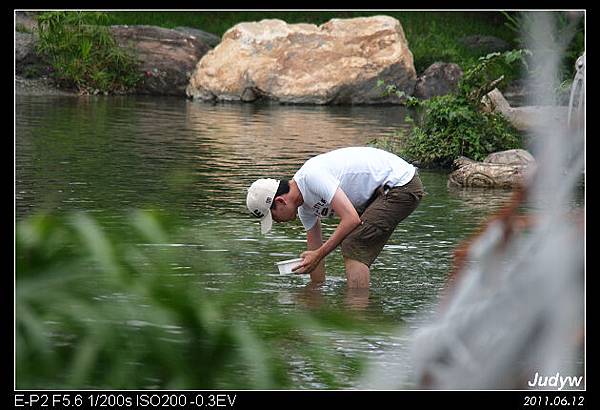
(358, 171)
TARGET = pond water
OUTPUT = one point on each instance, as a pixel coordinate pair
(103, 155)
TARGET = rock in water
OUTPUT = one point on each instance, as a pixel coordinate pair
(338, 62)
(505, 169)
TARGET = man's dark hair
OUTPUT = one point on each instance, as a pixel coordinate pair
(282, 189)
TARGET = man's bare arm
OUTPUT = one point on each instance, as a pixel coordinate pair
(349, 220)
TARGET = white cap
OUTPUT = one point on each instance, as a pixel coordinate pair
(259, 200)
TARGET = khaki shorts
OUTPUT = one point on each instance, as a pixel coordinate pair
(380, 218)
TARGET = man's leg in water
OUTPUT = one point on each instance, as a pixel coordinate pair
(362, 246)
(357, 273)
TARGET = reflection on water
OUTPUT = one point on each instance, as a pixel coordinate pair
(481, 199)
(106, 155)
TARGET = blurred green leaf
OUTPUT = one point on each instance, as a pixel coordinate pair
(101, 308)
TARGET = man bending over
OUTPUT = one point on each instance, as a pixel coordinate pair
(369, 189)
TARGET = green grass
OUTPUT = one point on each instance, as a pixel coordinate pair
(83, 54)
(432, 36)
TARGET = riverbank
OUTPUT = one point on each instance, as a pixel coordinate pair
(454, 38)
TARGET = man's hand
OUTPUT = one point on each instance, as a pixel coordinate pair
(310, 262)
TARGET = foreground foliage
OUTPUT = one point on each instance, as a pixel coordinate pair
(104, 308)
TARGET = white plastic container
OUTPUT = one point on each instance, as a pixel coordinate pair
(286, 267)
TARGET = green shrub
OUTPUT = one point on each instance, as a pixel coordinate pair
(453, 128)
(83, 54)
(453, 125)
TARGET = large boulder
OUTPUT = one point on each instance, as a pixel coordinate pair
(338, 62)
(438, 79)
(167, 57)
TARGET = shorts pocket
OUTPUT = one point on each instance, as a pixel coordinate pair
(364, 243)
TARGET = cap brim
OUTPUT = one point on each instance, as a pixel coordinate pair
(266, 223)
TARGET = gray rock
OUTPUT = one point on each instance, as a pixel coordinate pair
(510, 157)
(26, 56)
(210, 39)
(25, 21)
(167, 57)
(438, 79)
